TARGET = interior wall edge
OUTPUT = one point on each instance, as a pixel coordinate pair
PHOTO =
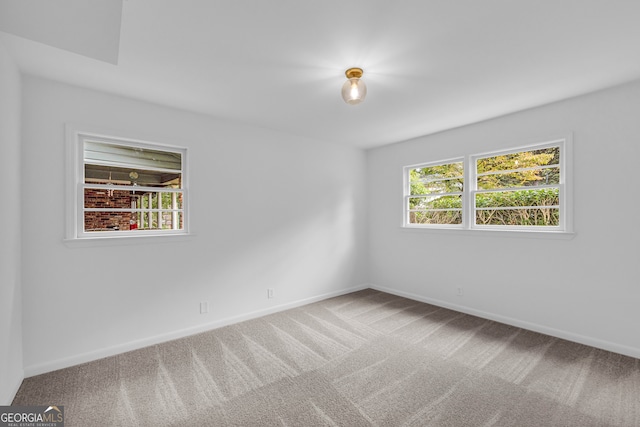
(558, 333)
(11, 313)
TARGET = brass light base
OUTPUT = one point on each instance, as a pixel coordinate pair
(353, 73)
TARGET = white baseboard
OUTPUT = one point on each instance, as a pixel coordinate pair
(558, 333)
(7, 398)
(53, 365)
(90, 356)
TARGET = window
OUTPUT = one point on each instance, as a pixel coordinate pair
(518, 189)
(126, 188)
(435, 193)
(522, 189)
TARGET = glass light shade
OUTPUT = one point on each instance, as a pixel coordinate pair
(354, 91)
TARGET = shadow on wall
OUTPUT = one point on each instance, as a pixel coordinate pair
(316, 252)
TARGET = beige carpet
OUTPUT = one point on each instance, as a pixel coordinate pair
(363, 359)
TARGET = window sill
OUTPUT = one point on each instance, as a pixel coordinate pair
(557, 235)
(86, 242)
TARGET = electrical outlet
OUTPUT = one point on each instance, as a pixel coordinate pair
(459, 292)
(270, 293)
(204, 307)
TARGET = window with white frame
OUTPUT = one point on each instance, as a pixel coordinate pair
(434, 193)
(127, 188)
(518, 188)
(521, 189)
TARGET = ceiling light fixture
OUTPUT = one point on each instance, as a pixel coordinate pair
(354, 90)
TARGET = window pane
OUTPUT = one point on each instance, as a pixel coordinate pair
(436, 217)
(108, 221)
(130, 199)
(148, 220)
(153, 197)
(135, 157)
(448, 170)
(171, 200)
(447, 178)
(171, 220)
(100, 174)
(530, 178)
(519, 217)
(100, 198)
(436, 202)
(136, 221)
(103, 198)
(435, 187)
(539, 197)
(522, 159)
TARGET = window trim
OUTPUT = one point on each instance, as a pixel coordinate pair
(564, 141)
(75, 137)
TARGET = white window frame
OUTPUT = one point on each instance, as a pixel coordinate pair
(408, 195)
(565, 227)
(75, 138)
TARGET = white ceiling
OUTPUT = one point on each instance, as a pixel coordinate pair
(429, 65)
(92, 29)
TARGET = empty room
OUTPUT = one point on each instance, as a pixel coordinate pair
(290, 213)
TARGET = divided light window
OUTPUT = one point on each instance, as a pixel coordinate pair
(129, 188)
(434, 193)
(519, 189)
(523, 189)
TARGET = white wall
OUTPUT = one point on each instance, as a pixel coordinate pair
(11, 372)
(268, 210)
(585, 289)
